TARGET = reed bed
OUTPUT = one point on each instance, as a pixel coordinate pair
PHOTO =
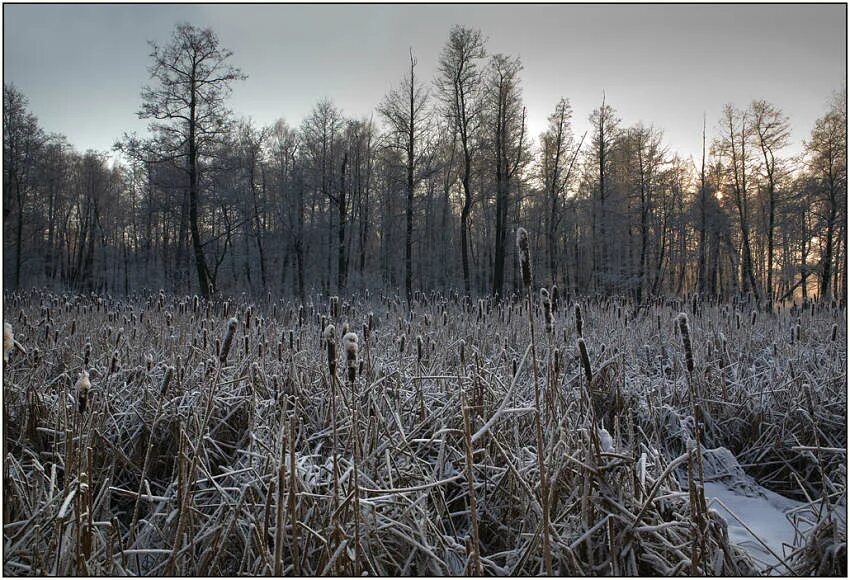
(229, 438)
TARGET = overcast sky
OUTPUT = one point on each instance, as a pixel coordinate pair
(82, 66)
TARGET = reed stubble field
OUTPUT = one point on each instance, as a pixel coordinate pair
(365, 435)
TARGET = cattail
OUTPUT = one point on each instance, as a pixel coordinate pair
(555, 298)
(228, 340)
(349, 343)
(585, 360)
(834, 332)
(401, 345)
(418, 348)
(166, 380)
(8, 341)
(578, 320)
(753, 320)
(113, 365)
(83, 385)
(330, 341)
(685, 329)
(547, 310)
(248, 313)
(524, 256)
(87, 352)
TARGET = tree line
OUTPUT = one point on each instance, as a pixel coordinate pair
(424, 194)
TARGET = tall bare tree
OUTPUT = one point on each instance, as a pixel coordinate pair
(509, 145)
(771, 133)
(557, 157)
(405, 110)
(827, 159)
(22, 143)
(191, 81)
(732, 148)
(459, 85)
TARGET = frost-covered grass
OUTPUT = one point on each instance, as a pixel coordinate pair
(231, 470)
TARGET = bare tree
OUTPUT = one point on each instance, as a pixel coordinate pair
(22, 143)
(605, 130)
(771, 133)
(827, 160)
(732, 148)
(186, 105)
(405, 110)
(556, 163)
(509, 145)
(459, 86)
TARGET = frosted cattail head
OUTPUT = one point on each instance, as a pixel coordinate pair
(578, 319)
(524, 256)
(555, 297)
(547, 310)
(330, 342)
(685, 330)
(166, 380)
(585, 359)
(8, 340)
(229, 333)
(87, 352)
(419, 348)
(349, 343)
(83, 385)
(113, 365)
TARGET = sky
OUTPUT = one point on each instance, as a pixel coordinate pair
(82, 66)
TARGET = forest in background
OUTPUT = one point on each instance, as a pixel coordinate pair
(424, 195)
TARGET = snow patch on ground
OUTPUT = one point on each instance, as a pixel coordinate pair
(758, 522)
(769, 526)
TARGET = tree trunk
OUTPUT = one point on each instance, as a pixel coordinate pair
(200, 260)
(341, 265)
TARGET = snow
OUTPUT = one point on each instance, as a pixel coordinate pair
(764, 513)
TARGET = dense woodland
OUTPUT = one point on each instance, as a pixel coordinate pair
(425, 194)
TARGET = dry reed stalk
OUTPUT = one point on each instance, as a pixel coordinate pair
(524, 254)
(475, 547)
